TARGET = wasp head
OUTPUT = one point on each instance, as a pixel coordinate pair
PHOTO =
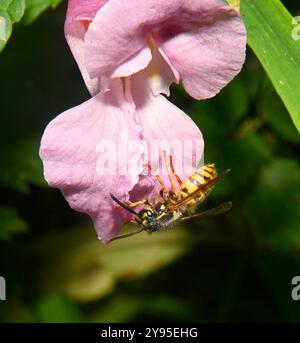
(148, 218)
(153, 218)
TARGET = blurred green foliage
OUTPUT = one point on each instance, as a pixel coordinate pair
(10, 223)
(26, 11)
(236, 267)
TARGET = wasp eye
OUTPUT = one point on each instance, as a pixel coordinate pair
(146, 214)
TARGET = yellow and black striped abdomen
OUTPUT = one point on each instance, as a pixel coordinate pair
(199, 178)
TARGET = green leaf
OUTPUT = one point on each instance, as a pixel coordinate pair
(22, 164)
(34, 8)
(120, 309)
(235, 3)
(275, 114)
(269, 26)
(57, 309)
(86, 270)
(5, 28)
(124, 308)
(16, 10)
(10, 223)
(11, 11)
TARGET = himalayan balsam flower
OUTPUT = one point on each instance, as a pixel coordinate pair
(129, 52)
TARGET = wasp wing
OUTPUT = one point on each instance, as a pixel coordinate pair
(212, 212)
(205, 188)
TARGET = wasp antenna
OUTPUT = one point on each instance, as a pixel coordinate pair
(123, 205)
(127, 235)
(224, 173)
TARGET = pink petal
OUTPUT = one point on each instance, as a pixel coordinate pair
(206, 44)
(70, 153)
(117, 37)
(83, 10)
(79, 15)
(202, 40)
(165, 126)
(161, 74)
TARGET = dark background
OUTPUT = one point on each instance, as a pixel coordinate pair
(234, 268)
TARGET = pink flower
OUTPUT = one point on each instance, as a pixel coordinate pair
(71, 150)
(103, 146)
(203, 41)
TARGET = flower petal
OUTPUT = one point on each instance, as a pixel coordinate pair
(71, 150)
(161, 74)
(203, 41)
(83, 10)
(165, 129)
(79, 15)
(116, 42)
(206, 44)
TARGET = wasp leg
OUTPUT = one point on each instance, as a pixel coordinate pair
(159, 179)
(133, 221)
(178, 179)
(141, 202)
(173, 176)
(161, 192)
(148, 165)
(134, 204)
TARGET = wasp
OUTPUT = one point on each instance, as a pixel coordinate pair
(177, 205)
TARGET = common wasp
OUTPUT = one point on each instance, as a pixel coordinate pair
(177, 205)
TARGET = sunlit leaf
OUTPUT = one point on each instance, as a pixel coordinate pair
(34, 8)
(270, 35)
(234, 3)
(16, 10)
(11, 11)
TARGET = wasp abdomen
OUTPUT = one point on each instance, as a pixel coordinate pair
(200, 177)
